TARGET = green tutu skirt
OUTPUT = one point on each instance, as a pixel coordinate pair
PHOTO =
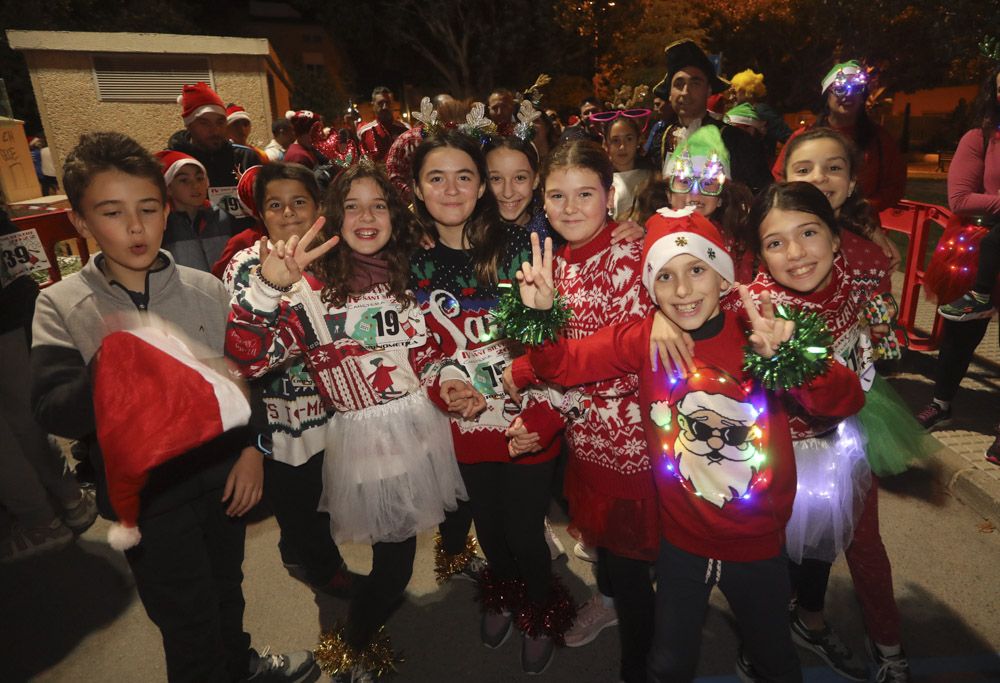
(895, 438)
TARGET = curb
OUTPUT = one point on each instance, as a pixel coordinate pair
(970, 485)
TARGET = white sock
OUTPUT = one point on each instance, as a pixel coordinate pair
(889, 650)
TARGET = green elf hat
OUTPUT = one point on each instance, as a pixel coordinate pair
(846, 77)
(744, 114)
(699, 151)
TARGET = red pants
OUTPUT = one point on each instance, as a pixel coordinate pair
(872, 574)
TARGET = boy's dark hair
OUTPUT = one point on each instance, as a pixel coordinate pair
(797, 196)
(856, 214)
(279, 170)
(581, 154)
(337, 267)
(98, 152)
(481, 230)
(279, 125)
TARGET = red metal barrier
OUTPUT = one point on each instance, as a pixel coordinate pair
(54, 227)
(914, 219)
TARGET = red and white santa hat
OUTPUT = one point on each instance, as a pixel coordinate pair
(172, 162)
(303, 120)
(153, 401)
(235, 112)
(199, 99)
(671, 233)
(244, 190)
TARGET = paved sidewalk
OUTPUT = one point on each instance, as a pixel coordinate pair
(961, 467)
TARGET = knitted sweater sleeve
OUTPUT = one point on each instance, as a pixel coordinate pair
(836, 393)
(967, 192)
(260, 334)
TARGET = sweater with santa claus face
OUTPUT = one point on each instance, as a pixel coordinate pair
(719, 444)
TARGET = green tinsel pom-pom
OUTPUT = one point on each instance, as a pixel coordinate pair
(797, 360)
(516, 321)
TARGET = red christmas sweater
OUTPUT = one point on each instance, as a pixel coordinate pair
(842, 305)
(601, 283)
(458, 309)
(719, 444)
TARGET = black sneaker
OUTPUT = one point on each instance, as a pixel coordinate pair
(294, 667)
(536, 654)
(831, 649)
(965, 308)
(933, 415)
(890, 668)
(495, 628)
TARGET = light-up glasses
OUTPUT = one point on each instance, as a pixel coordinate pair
(709, 182)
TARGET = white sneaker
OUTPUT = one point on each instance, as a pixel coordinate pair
(585, 552)
(556, 548)
(591, 618)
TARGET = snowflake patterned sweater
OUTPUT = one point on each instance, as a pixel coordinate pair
(458, 309)
(296, 413)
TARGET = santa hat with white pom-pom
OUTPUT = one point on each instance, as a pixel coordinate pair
(153, 401)
(199, 99)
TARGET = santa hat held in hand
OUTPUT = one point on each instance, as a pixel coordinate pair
(172, 162)
(154, 401)
(671, 233)
(199, 99)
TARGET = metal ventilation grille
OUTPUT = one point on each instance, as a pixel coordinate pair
(148, 78)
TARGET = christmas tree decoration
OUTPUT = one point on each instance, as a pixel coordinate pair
(334, 656)
(798, 360)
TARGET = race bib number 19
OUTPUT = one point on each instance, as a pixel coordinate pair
(21, 253)
(226, 199)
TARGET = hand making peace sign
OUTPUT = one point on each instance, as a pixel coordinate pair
(535, 279)
(767, 332)
(282, 263)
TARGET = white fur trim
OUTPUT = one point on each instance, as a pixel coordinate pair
(121, 537)
(745, 120)
(204, 109)
(666, 248)
(171, 173)
(237, 115)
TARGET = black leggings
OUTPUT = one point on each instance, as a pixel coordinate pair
(958, 344)
(809, 582)
(454, 529)
(509, 502)
(380, 591)
(629, 583)
(989, 260)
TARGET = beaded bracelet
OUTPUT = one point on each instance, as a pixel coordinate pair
(260, 275)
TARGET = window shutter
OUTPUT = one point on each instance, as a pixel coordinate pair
(147, 78)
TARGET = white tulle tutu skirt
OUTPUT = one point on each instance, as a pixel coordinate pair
(389, 472)
(833, 479)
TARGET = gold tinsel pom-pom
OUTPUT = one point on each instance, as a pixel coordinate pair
(335, 656)
(447, 565)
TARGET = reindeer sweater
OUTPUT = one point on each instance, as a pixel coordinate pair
(458, 310)
(719, 445)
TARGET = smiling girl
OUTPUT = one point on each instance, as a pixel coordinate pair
(390, 469)
(457, 283)
(836, 508)
(622, 138)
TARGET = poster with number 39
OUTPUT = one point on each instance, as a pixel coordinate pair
(21, 253)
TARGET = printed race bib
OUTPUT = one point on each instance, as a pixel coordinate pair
(21, 253)
(854, 350)
(375, 321)
(485, 367)
(226, 199)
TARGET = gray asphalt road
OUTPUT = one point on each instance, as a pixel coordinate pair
(74, 616)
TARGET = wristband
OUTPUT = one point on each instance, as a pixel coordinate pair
(259, 272)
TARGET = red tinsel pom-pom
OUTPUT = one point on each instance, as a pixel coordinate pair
(499, 595)
(551, 618)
